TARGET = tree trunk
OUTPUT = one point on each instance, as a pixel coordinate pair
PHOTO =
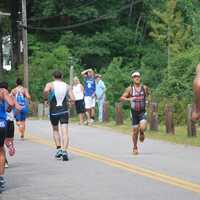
(118, 113)
(191, 127)
(154, 116)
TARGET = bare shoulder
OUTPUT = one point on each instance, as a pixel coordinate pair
(127, 91)
(13, 91)
(49, 85)
(4, 92)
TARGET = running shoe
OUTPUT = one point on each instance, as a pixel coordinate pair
(65, 156)
(58, 154)
(2, 184)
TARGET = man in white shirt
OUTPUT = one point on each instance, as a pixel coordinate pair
(100, 95)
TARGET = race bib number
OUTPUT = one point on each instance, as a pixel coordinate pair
(89, 85)
(2, 124)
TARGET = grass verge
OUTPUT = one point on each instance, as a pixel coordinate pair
(180, 136)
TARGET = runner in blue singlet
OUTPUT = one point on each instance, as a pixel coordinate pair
(22, 97)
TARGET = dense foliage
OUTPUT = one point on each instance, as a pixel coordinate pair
(115, 37)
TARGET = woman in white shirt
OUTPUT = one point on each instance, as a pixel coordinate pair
(78, 91)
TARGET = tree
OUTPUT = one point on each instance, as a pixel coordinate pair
(169, 30)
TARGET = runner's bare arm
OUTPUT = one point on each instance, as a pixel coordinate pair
(9, 99)
(17, 106)
(27, 95)
(46, 91)
(71, 96)
(126, 95)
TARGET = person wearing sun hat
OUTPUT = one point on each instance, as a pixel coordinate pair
(136, 93)
(100, 96)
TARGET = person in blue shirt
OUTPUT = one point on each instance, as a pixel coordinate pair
(89, 94)
(100, 96)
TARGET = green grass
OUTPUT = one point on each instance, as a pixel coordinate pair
(180, 136)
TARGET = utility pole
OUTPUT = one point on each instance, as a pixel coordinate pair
(25, 44)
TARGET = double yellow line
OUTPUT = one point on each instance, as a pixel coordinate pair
(127, 167)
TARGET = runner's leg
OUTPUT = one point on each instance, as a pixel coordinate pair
(65, 137)
(56, 136)
(135, 139)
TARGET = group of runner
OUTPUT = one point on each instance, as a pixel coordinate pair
(58, 94)
(13, 106)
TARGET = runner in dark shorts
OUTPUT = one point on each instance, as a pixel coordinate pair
(57, 94)
(136, 94)
(21, 96)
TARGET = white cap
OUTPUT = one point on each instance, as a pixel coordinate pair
(135, 74)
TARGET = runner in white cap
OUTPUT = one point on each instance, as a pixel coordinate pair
(136, 94)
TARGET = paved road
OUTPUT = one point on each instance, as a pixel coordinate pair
(101, 166)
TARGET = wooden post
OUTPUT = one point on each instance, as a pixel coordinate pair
(106, 111)
(118, 113)
(40, 110)
(169, 123)
(191, 127)
(153, 116)
(33, 107)
(46, 111)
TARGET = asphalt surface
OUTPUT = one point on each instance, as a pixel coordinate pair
(101, 166)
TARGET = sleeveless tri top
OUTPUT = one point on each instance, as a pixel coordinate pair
(58, 98)
(138, 99)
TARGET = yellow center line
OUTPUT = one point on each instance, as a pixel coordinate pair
(125, 166)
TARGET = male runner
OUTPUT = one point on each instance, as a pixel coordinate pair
(4, 98)
(136, 94)
(57, 93)
(21, 96)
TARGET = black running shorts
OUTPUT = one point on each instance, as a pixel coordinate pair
(62, 118)
(2, 136)
(10, 129)
(137, 117)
